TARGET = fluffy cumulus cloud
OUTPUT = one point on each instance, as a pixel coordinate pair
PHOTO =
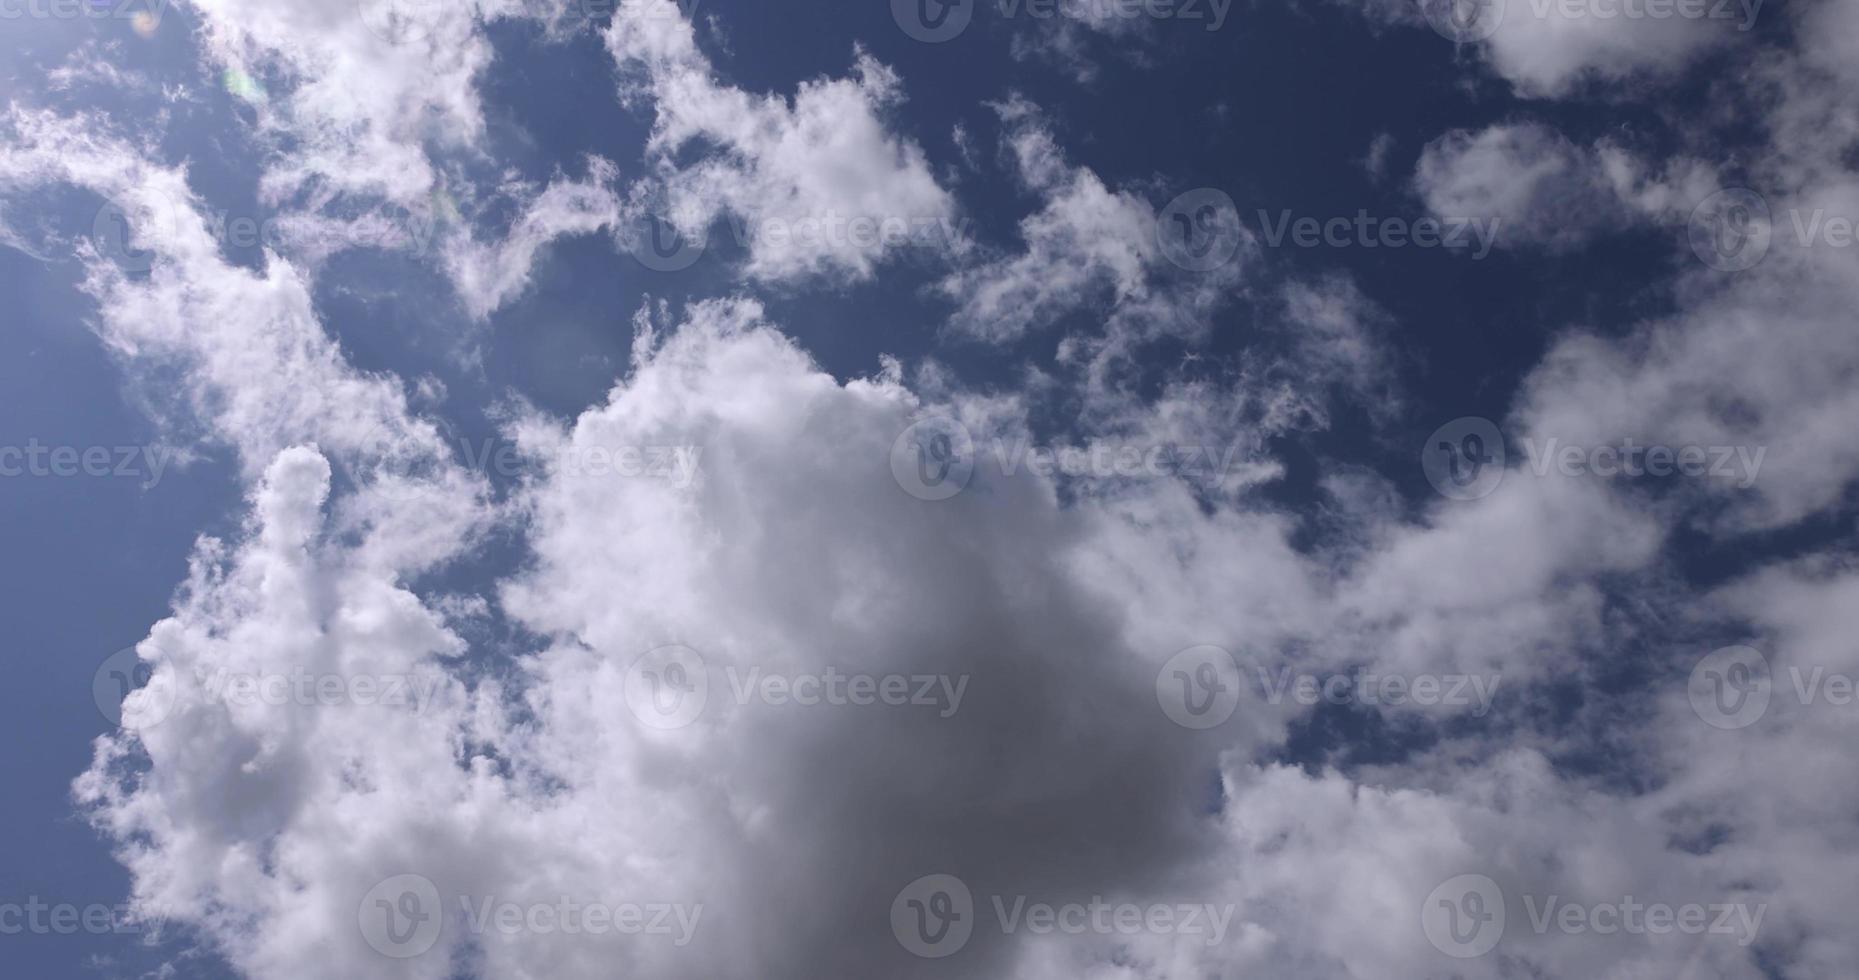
(749, 649)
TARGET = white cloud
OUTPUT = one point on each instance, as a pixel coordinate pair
(802, 175)
(1540, 188)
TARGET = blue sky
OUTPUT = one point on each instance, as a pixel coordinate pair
(1144, 511)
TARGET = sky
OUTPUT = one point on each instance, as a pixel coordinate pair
(1104, 489)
